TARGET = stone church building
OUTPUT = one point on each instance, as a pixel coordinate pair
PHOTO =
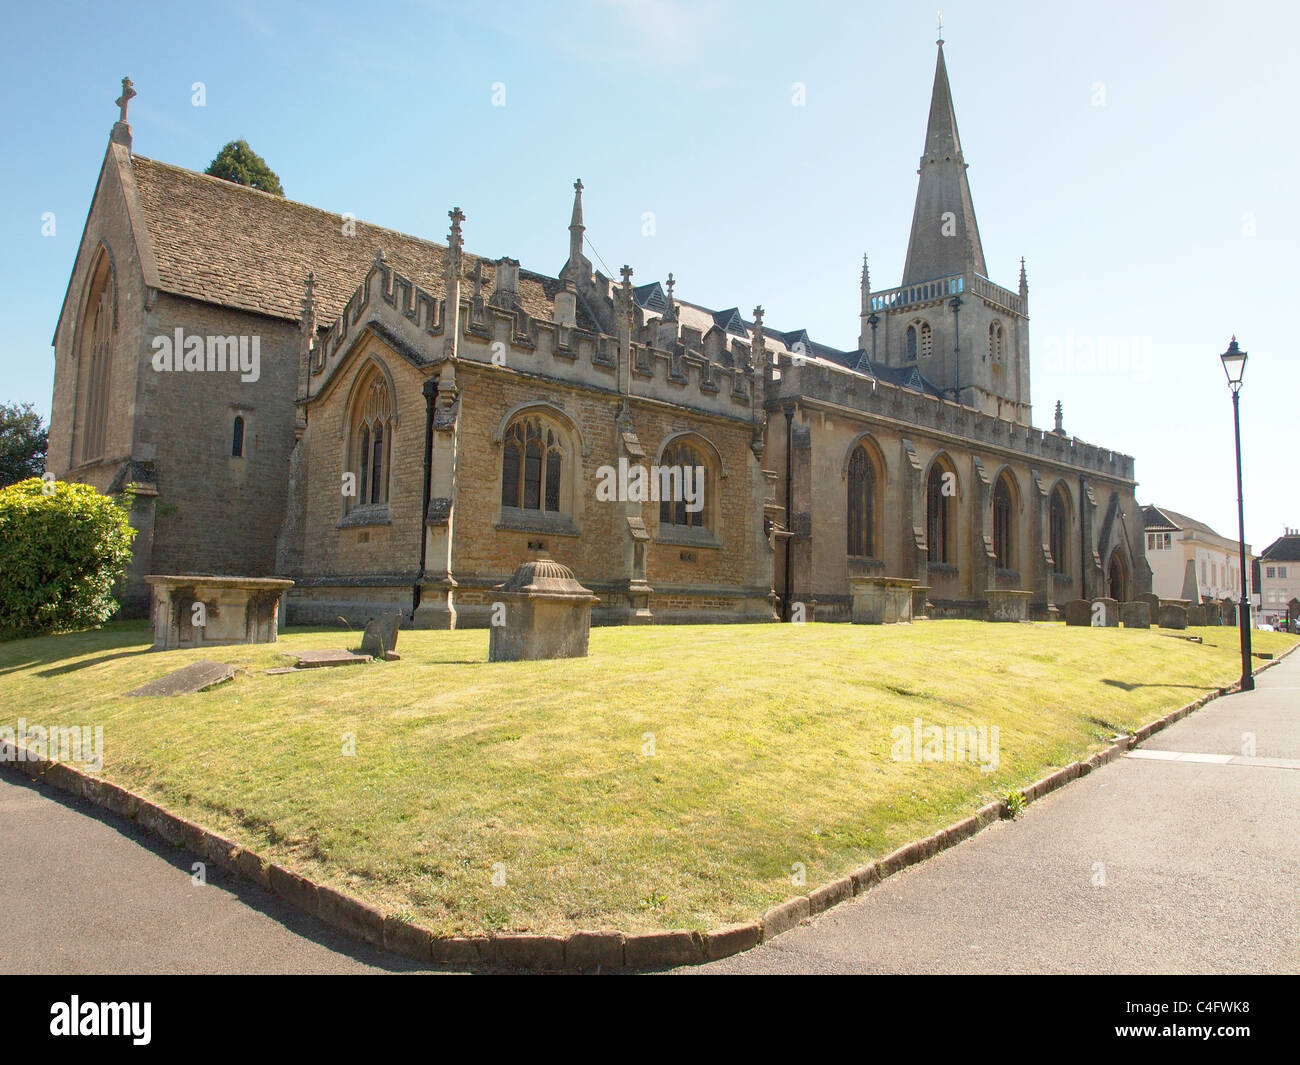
(396, 423)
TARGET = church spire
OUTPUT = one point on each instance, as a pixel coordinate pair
(945, 238)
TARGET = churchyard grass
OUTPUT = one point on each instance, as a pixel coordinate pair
(679, 777)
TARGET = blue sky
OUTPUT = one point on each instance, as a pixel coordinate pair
(1143, 161)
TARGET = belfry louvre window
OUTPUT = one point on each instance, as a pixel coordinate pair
(532, 466)
(995, 341)
(372, 441)
(1002, 525)
(681, 457)
(862, 504)
(919, 341)
(937, 515)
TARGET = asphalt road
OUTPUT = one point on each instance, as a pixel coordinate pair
(1153, 864)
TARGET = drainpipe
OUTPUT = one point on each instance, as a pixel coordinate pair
(430, 398)
(789, 506)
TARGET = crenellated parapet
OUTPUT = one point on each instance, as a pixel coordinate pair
(710, 373)
(822, 382)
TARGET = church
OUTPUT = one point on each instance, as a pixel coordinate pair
(395, 423)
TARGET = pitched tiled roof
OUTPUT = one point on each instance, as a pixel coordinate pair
(1283, 549)
(1180, 521)
(230, 245)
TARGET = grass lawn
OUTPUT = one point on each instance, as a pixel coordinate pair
(771, 746)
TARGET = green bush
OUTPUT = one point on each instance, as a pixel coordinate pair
(63, 548)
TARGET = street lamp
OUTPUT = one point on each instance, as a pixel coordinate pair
(1234, 365)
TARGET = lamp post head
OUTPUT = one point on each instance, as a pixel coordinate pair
(1234, 364)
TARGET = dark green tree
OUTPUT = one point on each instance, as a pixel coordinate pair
(238, 162)
(23, 440)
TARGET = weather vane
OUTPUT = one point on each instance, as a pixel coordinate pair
(941, 25)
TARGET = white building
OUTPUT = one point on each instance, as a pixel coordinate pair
(1173, 540)
(1278, 577)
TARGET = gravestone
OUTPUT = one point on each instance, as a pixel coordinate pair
(547, 614)
(380, 636)
(1196, 616)
(1211, 608)
(1173, 616)
(1008, 604)
(1108, 616)
(1078, 612)
(1135, 615)
(196, 677)
(882, 600)
(329, 657)
(1228, 611)
(1153, 604)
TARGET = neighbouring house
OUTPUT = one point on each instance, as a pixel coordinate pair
(1179, 548)
(1277, 577)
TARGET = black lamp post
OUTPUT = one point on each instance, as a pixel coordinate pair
(1234, 365)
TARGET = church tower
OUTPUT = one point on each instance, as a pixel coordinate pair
(964, 334)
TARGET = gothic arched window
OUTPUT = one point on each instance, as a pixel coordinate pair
(863, 485)
(995, 340)
(95, 361)
(912, 343)
(532, 465)
(940, 491)
(683, 467)
(371, 439)
(1059, 524)
(1003, 523)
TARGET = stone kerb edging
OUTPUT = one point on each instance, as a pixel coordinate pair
(578, 950)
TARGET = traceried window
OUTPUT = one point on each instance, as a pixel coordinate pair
(372, 440)
(1059, 523)
(939, 516)
(995, 341)
(680, 460)
(862, 504)
(1003, 524)
(532, 466)
(94, 362)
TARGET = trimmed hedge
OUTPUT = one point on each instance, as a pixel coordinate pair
(63, 549)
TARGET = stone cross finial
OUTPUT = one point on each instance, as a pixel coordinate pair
(671, 283)
(758, 317)
(477, 278)
(122, 101)
(379, 256)
(577, 185)
(626, 274)
(457, 216)
(1058, 417)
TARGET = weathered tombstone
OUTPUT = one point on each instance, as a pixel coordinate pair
(1104, 613)
(1135, 615)
(196, 677)
(1008, 604)
(882, 600)
(547, 614)
(1153, 604)
(1196, 616)
(1173, 616)
(327, 657)
(193, 611)
(1228, 611)
(1078, 612)
(380, 635)
(1211, 608)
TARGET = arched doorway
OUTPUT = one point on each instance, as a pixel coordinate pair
(1117, 579)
